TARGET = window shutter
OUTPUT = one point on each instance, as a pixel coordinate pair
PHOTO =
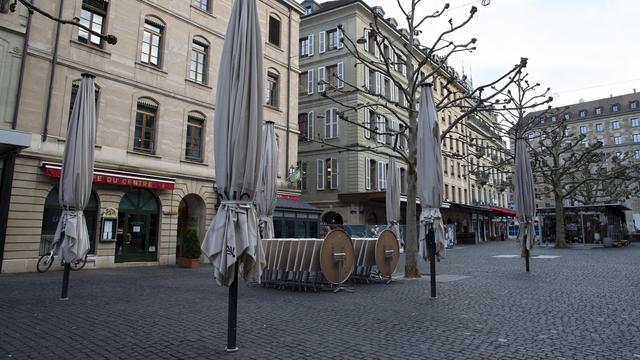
(340, 75)
(375, 48)
(366, 40)
(335, 123)
(379, 173)
(404, 69)
(366, 78)
(367, 174)
(321, 79)
(383, 80)
(340, 38)
(378, 82)
(310, 125)
(327, 124)
(320, 174)
(394, 59)
(334, 173)
(310, 82)
(384, 176)
(310, 45)
(321, 42)
(392, 90)
(367, 124)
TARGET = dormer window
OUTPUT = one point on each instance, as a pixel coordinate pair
(583, 113)
(567, 116)
(633, 105)
(615, 107)
(598, 110)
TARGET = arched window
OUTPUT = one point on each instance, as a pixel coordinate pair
(51, 214)
(74, 93)
(199, 60)
(274, 30)
(145, 128)
(272, 92)
(152, 35)
(195, 136)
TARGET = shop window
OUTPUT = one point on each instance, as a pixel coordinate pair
(51, 215)
(92, 15)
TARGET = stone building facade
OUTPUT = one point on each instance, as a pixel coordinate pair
(349, 186)
(155, 110)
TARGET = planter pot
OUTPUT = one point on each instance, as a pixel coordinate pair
(188, 263)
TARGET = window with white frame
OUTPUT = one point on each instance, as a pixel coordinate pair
(305, 125)
(370, 174)
(369, 124)
(321, 79)
(636, 138)
(615, 124)
(637, 154)
(583, 129)
(306, 46)
(302, 180)
(617, 140)
(599, 127)
(615, 107)
(633, 105)
(598, 110)
(199, 55)
(382, 176)
(381, 129)
(331, 123)
(331, 173)
(336, 75)
(583, 113)
(330, 40)
(635, 122)
(92, 15)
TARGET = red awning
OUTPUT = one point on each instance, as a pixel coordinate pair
(504, 211)
(102, 176)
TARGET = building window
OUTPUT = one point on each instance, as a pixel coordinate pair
(446, 192)
(306, 46)
(599, 127)
(567, 131)
(615, 124)
(92, 15)
(274, 31)
(567, 116)
(151, 42)
(583, 113)
(305, 125)
(202, 4)
(403, 180)
(331, 123)
(637, 154)
(636, 138)
(633, 105)
(193, 148)
(583, 129)
(370, 174)
(144, 136)
(617, 140)
(615, 107)
(272, 89)
(598, 110)
(302, 180)
(331, 173)
(635, 122)
(333, 39)
(198, 70)
(307, 10)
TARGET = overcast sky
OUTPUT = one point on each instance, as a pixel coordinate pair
(582, 49)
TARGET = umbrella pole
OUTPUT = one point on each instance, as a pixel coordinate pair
(65, 281)
(526, 253)
(232, 319)
(431, 241)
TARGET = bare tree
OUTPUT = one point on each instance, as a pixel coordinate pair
(423, 65)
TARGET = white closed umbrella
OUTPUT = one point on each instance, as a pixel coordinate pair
(525, 198)
(232, 242)
(71, 239)
(267, 186)
(392, 197)
(429, 168)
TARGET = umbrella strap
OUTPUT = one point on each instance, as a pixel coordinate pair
(237, 204)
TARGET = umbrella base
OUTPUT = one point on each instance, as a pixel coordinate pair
(231, 350)
(64, 299)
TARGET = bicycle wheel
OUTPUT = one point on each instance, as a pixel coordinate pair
(77, 265)
(44, 263)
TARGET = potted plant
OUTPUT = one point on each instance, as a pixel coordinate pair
(190, 254)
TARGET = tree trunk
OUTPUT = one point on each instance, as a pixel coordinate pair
(561, 242)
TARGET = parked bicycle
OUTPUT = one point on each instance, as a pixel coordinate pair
(45, 262)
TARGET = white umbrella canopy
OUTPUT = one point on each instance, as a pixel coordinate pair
(71, 239)
(232, 238)
(429, 168)
(524, 195)
(267, 186)
(392, 197)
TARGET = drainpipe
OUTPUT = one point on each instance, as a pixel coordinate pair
(23, 62)
(54, 61)
(286, 156)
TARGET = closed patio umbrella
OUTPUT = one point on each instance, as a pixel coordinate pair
(392, 197)
(525, 198)
(429, 168)
(232, 242)
(71, 239)
(267, 186)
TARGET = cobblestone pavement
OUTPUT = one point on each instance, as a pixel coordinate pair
(581, 305)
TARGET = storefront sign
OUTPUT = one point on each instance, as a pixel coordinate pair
(112, 178)
(288, 196)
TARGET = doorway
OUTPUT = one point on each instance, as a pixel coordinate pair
(137, 236)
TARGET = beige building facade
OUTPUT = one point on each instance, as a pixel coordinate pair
(155, 95)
